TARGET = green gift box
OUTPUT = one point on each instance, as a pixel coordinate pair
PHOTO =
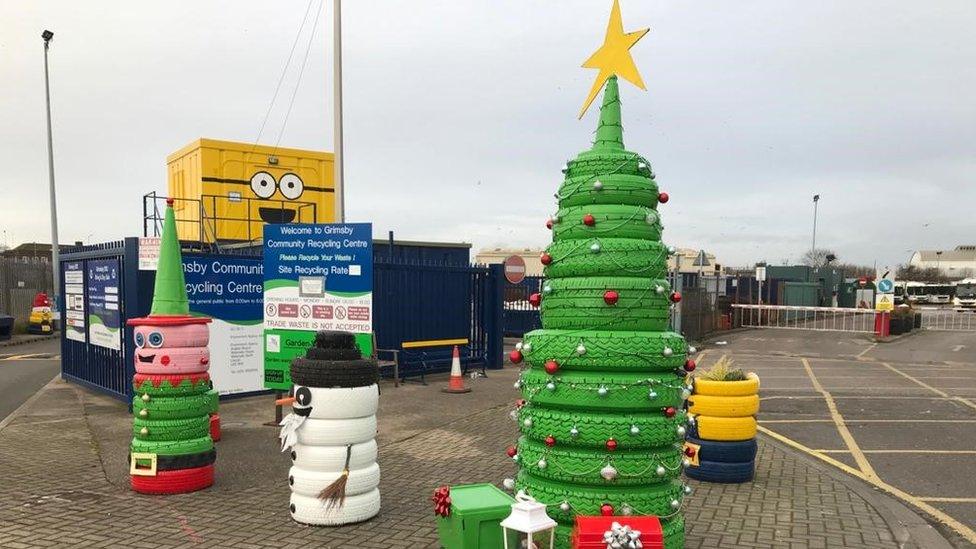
(476, 511)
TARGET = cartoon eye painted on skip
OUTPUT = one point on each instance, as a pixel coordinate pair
(303, 396)
(155, 339)
(263, 184)
(291, 186)
(140, 340)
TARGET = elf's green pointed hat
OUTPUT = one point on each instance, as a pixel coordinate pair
(169, 295)
(610, 132)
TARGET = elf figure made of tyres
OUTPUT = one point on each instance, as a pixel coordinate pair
(331, 434)
(171, 451)
(603, 384)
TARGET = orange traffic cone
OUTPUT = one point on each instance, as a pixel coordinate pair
(456, 385)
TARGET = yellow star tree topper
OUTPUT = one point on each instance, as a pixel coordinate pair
(613, 57)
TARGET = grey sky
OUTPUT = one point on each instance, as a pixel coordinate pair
(459, 114)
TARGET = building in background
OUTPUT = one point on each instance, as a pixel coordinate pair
(33, 252)
(692, 261)
(533, 266)
(957, 263)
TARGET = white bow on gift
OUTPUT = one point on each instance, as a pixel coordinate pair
(622, 537)
(289, 430)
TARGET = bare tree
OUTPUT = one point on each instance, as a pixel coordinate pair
(921, 274)
(818, 257)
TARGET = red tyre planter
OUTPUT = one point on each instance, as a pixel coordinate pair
(215, 427)
(174, 482)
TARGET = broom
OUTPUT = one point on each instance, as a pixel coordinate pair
(334, 495)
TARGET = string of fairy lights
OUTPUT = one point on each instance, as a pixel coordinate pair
(596, 247)
(608, 468)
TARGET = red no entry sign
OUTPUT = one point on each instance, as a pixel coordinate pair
(514, 269)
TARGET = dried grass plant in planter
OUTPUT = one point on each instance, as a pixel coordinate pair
(721, 444)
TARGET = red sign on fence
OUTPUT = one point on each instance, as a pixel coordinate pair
(514, 269)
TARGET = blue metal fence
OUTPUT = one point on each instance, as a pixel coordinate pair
(106, 370)
(520, 315)
(410, 302)
(419, 302)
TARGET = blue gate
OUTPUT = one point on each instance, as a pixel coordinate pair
(520, 315)
(415, 302)
(100, 368)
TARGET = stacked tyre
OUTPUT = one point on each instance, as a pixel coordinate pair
(172, 450)
(721, 442)
(334, 477)
(602, 387)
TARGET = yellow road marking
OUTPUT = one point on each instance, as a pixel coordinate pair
(822, 420)
(868, 420)
(940, 452)
(966, 532)
(949, 500)
(845, 433)
(927, 386)
(872, 397)
(866, 351)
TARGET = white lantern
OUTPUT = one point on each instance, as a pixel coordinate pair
(528, 517)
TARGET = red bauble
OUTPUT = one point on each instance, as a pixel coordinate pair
(551, 367)
(549, 224)
(589, 220)
(511, 451)
(663, 197)
(690, 452)
(606, 510)
(520, 403)
(550, 441)
(545, 259)
(690, 365)
(611, 444)
(676, 296)
(611, 297)
(515, 356)
(535, 299)
(670, 411)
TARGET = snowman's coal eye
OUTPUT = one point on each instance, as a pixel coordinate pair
(303, 396)
(140, 340)
(155, 339)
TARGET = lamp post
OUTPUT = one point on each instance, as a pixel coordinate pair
(813, 246)
(55, 266)
(340, 199)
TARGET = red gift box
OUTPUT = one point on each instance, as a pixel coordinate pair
(588, 531)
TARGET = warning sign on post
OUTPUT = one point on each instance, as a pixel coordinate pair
(884, 302)
(149, 252)
(316, 277)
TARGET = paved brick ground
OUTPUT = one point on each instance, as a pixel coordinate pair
(63, 482)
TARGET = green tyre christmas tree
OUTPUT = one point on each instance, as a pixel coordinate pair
(604, 379)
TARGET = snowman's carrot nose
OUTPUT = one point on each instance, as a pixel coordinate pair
(285, 401)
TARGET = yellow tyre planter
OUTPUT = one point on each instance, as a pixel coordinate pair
(724, 406)
(726, 428)
(727, 388)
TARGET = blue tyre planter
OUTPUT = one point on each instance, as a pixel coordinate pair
(725, 452)
(716, 471)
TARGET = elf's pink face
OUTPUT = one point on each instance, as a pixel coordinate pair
(178, 347)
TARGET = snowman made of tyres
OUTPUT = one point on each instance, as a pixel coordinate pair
(331, 434)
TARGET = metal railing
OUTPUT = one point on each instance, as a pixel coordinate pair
(950, 320)
(824, 319)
